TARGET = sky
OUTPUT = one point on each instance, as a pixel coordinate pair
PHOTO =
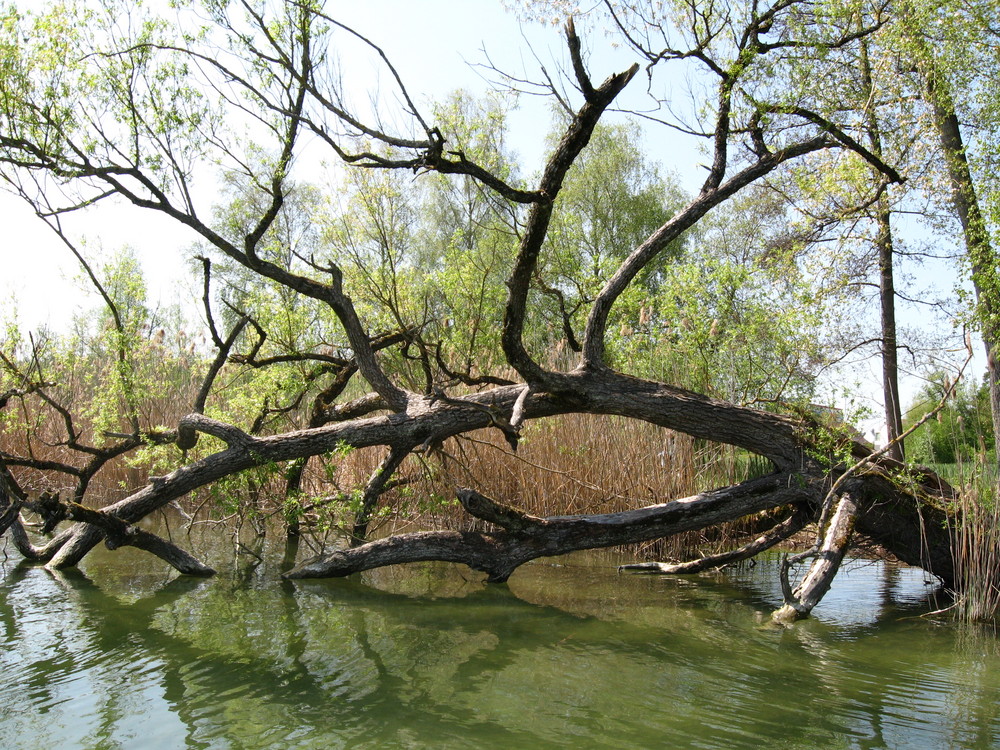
(436, 51)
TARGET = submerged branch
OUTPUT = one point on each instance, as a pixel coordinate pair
(825, 564)
(526, 537)
(777, 534)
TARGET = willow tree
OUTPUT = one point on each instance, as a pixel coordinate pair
(109, 102)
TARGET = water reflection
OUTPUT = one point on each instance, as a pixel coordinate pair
(429, 656)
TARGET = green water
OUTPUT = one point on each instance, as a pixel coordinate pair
(569, 655)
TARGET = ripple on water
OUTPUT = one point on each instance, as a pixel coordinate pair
(594, 659)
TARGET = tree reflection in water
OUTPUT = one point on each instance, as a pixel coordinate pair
(431, 656)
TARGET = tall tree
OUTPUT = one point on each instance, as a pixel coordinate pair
(938, 35)
(884, 247)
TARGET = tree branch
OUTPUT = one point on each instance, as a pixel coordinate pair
(794, 523)
(574, 140)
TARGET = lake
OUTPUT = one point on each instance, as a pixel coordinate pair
(124, 654)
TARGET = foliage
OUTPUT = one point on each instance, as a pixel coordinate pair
(738, 314)
(611, 201)
(962, 432)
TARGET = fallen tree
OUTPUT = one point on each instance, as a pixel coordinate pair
(908, 524)
(274, 70)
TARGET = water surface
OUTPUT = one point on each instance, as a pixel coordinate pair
(124, 654)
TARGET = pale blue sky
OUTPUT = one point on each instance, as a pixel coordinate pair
(434, 48)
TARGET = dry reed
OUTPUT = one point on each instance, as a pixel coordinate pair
(572, 464)
(976, 548)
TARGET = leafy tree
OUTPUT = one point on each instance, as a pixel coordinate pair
(466, 240)
(94, 109)
(938, 36)
(740, 315)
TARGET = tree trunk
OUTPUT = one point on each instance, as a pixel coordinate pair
(887, 290)
(523, 537)
(982, 258)
(826, 562)
(894, 516)
(890, 347)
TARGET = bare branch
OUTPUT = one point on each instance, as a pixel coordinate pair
(574, 140)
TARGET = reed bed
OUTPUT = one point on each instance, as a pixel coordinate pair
(976, 547)
(83, 388)
(567, 465)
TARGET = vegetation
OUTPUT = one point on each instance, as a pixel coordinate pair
(960, 433)
(431, 323)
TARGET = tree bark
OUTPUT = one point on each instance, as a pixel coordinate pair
(826, 562)
(523, 537)
(795, 522)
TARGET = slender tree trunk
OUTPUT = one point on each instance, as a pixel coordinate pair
(890, 348)
(887, 288)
